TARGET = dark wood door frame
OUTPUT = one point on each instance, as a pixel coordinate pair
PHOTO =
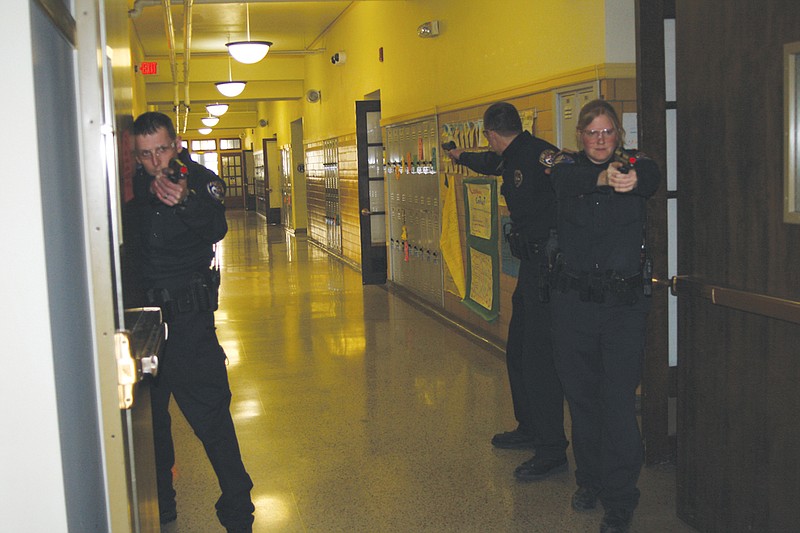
(373, 255)
(658, 379)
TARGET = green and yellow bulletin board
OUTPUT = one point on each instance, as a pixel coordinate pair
(483, 262)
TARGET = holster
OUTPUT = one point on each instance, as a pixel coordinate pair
(201, 294)
(514, 240)
(522, 248)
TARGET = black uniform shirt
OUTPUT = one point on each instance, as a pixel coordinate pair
(526, 187)
(600, 230)
(175, 242)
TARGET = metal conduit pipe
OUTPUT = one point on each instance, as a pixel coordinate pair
(187, 50)
(170, 30)
(139, 5)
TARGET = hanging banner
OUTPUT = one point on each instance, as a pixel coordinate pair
(483, 263)
(450, 240)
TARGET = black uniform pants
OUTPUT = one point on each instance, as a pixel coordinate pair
(599, 350)
(193, 371)
(535, 389)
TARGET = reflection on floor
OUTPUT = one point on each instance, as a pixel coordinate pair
(357, 412)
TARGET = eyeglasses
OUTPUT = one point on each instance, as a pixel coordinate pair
(158, 152)
(596, 134)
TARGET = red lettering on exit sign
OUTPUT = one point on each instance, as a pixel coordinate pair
(148, 68)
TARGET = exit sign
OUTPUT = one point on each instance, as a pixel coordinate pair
(148, 68)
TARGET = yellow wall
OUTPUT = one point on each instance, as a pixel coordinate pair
(280, 116)
(517, 50)
(485, 51)
(137, 80)
(481, 49)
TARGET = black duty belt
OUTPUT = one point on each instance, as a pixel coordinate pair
(594, 287)
(199, 295)
(524, 249)
(610, 284)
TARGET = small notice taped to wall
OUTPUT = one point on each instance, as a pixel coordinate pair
(631, 126)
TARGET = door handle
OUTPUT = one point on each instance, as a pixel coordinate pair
(750, 302)
(137, 350)
(366, 212)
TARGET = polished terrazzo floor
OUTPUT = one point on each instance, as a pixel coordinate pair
(358, 412)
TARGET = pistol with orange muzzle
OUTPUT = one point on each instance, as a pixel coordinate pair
(179, 170)
(628, 159)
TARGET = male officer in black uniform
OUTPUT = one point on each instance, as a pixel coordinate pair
(535, 389)
(178, 214)
(600, 310)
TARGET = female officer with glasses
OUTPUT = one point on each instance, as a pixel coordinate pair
(599, 311)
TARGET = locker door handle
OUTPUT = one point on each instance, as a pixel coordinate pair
(366, 212)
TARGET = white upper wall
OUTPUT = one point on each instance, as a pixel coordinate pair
(620, 31)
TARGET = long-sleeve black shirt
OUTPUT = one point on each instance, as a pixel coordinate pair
(175, 242)
(526, 187)
(600, 230)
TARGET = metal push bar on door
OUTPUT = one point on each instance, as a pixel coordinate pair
(750, 302)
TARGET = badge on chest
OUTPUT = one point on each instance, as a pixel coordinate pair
(517, 178)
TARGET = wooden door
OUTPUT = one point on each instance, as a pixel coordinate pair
(371, 194)
(739, 290)
(231, 172)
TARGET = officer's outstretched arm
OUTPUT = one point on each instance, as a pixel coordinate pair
(203, 211)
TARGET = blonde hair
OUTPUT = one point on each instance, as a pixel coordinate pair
(594, 109)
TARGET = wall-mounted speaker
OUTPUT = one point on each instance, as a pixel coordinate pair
(338, 58)
(313, 96)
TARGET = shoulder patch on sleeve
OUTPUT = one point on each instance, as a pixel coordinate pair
(564, 158)
(216, 190)
(547, 157)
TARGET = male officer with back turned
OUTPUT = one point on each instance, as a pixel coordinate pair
(535, 389)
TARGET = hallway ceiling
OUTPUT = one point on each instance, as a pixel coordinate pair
(294, 27)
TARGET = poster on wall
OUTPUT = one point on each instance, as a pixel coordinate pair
(467, 135)
(480, 281)
(479, 203)
(483, 263)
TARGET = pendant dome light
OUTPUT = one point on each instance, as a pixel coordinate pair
(217, 109)
(203, 131)
(230, 88)
(210, 121)
(248, 51)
